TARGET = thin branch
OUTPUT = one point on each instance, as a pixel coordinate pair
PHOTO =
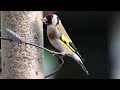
(6, 39)
(52, 52)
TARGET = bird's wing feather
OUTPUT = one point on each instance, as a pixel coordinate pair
(76, 51)
(66, 39)
(68, 42)
(70, 45)
(62, 30)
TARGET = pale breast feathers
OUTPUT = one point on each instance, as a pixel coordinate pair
(52, 34)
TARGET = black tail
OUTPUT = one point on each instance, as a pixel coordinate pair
(80, 56)
(84, 68)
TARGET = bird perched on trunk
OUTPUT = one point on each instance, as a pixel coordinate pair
(59, 38)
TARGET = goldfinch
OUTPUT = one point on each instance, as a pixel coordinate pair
(59, 38)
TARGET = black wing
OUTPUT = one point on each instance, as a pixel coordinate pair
(71, 45)
(76, 51)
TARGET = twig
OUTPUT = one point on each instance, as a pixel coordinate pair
(6, 39)
(52, 52)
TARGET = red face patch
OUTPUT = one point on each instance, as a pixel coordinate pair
(50, 15)
(49, 19)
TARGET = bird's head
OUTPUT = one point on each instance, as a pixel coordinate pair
(51, 19)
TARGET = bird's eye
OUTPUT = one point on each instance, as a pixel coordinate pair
(49, 17)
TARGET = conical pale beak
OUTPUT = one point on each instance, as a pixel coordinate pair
(44, 19)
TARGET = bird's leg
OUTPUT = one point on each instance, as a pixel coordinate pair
(61, 57)
(55, 53)
(63, 54)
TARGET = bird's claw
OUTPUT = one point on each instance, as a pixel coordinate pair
(54, 53)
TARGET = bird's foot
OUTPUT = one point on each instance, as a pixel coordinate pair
(62, 56)
(61, 61)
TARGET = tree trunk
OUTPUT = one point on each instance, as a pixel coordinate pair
(0, 46)
(0, 64)
(22, 61)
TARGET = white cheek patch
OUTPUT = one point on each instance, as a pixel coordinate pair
(54, 21)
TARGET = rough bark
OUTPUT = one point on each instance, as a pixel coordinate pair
(22, 61)
(0, 45)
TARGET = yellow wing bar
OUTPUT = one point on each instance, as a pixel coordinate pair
(67, 42)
